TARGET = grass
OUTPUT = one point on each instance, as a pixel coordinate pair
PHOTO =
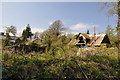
(100, 63)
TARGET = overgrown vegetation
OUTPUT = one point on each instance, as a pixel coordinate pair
(103, 64)
(112, 34)
(48, 55)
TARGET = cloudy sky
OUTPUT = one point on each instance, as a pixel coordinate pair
(76, 16)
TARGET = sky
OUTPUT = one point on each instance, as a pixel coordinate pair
(59, 0)
(76, 16)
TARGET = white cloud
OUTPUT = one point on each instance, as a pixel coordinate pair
(36, 30)
(81, 27)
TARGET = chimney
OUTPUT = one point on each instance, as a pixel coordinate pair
(94, 30)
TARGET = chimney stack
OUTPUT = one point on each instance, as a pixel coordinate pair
(94, 30)
(94, 33)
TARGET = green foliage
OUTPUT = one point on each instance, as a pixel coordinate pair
(6, 57)
(26, 49)
(6, 41)
(35, 47)
(114, 41)
(53, 38)
(64, 39)
(12, 29)
(27, 33)
(110, 31)
(75, 36)
(99, 66)
(18, 41)
(112, 34)
(50, 56)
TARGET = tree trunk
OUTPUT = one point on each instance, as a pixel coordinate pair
(119, 30)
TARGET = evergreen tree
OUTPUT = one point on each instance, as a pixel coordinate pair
(27, 33)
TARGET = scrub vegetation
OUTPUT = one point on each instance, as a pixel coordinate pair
(48, 55)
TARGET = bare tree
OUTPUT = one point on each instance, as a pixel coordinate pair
(12, 29)
(114, 9)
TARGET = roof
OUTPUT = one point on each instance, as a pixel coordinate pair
(99, 39)
(73, 42)
(86, 35)
(96, 42)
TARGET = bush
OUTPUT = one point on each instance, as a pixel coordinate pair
(100, 66)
